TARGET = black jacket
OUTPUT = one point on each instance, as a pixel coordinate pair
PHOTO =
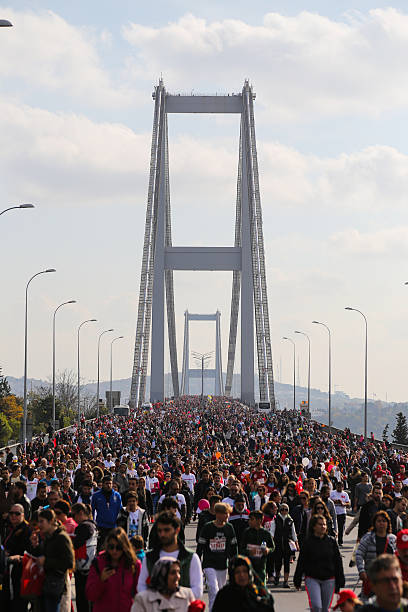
(234, 599)
(366, 516)
(320, 558)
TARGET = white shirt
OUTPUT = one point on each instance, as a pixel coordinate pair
(190, 479)
(180, 499)
(196, 573)
(32, 488)
(334, 495)
(153, 484)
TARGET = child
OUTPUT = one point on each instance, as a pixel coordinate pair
(138, 544)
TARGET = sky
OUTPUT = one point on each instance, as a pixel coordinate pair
(331, 120)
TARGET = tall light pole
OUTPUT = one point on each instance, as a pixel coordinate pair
(202, 358)
(308, 371)
(97, 383)
(53, 357)
(111, 368)
(329, 332)
(294, 370)
(365, 369)
(79, 376)
(19, 206)
(25, 352)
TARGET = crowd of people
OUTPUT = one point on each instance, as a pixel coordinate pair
(103, 509)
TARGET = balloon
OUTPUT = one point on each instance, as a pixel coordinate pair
(305, 461)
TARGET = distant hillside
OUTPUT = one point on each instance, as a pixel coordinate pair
(346, 411)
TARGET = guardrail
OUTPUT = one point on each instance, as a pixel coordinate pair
(13, 447)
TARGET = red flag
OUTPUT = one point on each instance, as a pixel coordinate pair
(299, 485)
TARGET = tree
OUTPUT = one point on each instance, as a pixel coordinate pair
(400, 433)
(4, 386)
(5, 430)
(385, 432)
(66, 389)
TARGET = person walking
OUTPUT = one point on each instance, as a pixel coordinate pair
(242, 593)
(56, 555)
(114, 574)
(164, 591)
(85, 542)
(285, 539)
(341, 501)
(385, 575)
(257, 544)
(106, 504)
(377, 541)
(16, 541)
(217, 544)
(168, 528)
(321, 564)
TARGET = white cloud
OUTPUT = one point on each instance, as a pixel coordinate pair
(46, 52)
(302, 66)
(390, 242)
(109, 162)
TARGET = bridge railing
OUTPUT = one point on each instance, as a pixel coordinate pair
(13, 447)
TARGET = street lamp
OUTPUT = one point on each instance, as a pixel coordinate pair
(53, 358)
(308, 371)
(329, 332)
(5, 23)
(97, 384)
(111, 368)
(294, 370)
(25, 352)
(365, 369)
(79, 379)
(203, 358)
(20, 206)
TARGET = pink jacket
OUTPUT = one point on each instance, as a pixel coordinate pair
(115, 594)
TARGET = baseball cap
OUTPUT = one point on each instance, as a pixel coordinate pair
(402, 538)
(344, 595)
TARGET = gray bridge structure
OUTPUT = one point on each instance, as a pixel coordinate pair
(245, 259)
(188, 372)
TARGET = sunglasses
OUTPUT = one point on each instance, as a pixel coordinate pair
(115, 547)
(15, 513)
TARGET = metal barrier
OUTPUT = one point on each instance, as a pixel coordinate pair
(13, 447)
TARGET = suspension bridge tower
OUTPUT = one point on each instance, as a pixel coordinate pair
(246, 259)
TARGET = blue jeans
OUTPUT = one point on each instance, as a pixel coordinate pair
(320, 593)
(50, 604)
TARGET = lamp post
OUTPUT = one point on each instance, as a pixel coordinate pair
(294, 370)
(53, 358)
(111, 368)
(19, 206)
(308, 371)
(25, 352)
(365, 369)
(79, 377)
(202, 358)
(97, 383)
(329, 332)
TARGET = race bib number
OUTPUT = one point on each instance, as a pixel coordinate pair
(218, 544)
(254, 550)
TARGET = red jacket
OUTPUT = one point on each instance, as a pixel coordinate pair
(115, 594)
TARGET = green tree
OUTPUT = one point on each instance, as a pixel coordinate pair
(400, 433)
(4, 386)
(385, 432)
(5, 430)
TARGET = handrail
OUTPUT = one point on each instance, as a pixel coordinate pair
(17, 444)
